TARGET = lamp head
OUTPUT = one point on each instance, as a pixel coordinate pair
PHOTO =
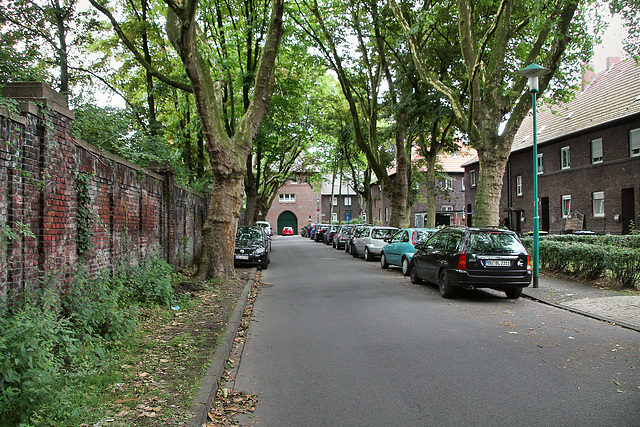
(533, 71)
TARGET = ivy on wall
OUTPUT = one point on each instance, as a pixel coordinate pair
(85, 216)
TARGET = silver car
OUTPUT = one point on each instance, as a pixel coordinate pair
(369, 241)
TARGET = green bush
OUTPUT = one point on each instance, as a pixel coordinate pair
(35, 343)
(51, 343)
(591, 256)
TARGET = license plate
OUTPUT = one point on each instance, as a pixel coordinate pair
(245, 257)
(497, 263)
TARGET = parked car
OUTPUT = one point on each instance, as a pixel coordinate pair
(470, 258)
(320, 230)
(328, 235)
(252, 247)
(370, 240)
(401, 246)
(351, 235)
(306, 230)
(312, 231)
(267, 227)
(287, 231)
(341, 235)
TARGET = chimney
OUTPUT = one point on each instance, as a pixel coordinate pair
(587, 77)
(611, 61)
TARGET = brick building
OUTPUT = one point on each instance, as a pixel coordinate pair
(296, 204)
(588, 159)
(450, 199)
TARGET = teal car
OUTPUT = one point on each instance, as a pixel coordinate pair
(401, 247)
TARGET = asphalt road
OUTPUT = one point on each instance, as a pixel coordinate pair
(337, 341)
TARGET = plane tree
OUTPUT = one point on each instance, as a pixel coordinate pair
(203, 34)
(353, 38)
(489, 100)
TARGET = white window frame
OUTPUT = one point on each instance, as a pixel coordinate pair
(386, 214)
(473, 178)
(565, 158)
(334, 217)
(447, 208)
(335, 200)
(597, 203)
(595, 158)
(519, 185)
(286, 198)
(634, 142)
(347, 201)
(540, 164)
(293, 180)
(462, 183)
(447, 183)
(566, 205)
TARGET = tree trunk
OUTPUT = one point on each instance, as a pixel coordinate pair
(432, 190)
(219, 229)
(493, 163)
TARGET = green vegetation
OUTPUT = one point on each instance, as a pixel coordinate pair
(591, 257)
(60, 350)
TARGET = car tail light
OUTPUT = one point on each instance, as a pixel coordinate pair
(529, 263)
(462, 262)
(413, 238)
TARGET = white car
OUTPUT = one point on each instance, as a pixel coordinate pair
(266, 226)
(369, 241)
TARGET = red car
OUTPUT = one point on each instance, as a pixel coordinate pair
(287, 231)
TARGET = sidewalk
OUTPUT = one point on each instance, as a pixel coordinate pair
(609, 306)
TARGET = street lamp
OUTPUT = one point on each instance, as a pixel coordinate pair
(534, 71)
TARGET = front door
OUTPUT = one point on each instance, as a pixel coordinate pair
(628, 209)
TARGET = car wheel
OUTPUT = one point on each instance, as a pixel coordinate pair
(446, 290)
(367, 255)
(513, 293)
(265, 265)
(333, 245)
(405, 266)
(354, 253)
(413, 274)
(383, 261)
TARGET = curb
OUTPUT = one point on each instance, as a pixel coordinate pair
(582, 313)
(203, 401)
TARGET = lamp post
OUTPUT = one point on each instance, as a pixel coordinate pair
(534, 71)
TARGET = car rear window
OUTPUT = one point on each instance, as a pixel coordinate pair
(381, 233)
(481, 242)
(249, 234)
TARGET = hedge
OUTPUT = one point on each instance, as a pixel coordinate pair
(590, 257)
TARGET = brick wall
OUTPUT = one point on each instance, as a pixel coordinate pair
(135, 211)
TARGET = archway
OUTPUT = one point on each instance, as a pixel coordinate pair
(287, 219)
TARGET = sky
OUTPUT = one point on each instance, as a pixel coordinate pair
(611, 43)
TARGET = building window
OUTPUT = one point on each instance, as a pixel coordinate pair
(364, 217)
(596, 151)
(462, 182)
(598, 203)
(286, 198)
(447, 209)
(519, 185)
(386, 214)
(473, 178)
(540, 164)
(565, 159)
(447, 184)
(293, 179)
(334, 217)
(379, 214)
(347, 201)
(335, 201)
(634, 142)
(566, 206)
